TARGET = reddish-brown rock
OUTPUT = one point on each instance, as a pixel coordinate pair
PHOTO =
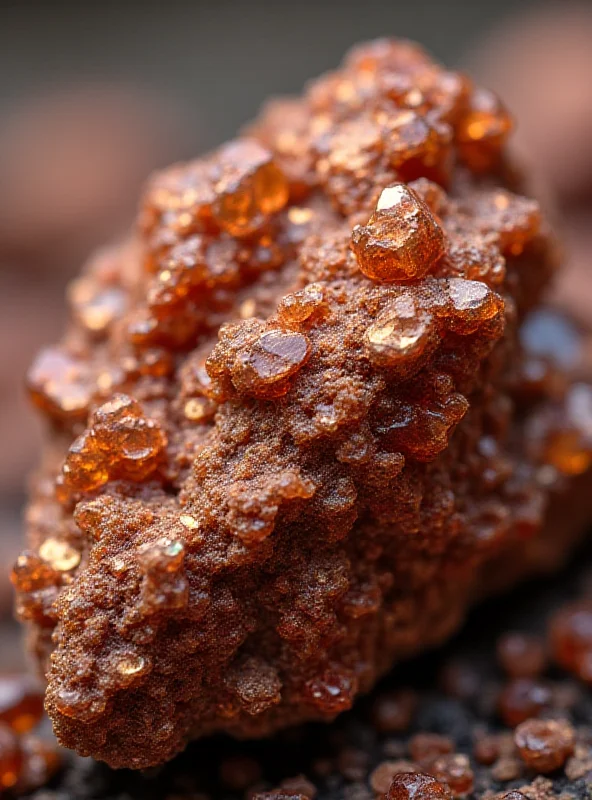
(285, 451)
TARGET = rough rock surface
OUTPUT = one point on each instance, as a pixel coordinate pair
(296, 425)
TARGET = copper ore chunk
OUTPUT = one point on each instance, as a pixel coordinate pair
(296, 433)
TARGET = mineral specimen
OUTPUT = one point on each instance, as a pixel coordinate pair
(308, 429)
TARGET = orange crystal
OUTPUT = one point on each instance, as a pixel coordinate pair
(483, 131)
(402, 240)
(417, 786)
(545, 745)
(11, 757)
(21, 703)
(249, 187)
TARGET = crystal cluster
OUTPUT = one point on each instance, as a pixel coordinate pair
(294, 427)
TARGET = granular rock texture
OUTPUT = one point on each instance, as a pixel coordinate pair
(435, 728)
(296, 425)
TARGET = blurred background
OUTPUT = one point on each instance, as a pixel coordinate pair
(94, 95)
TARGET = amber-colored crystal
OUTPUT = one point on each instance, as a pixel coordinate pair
(119, 442)
(472, 304)
(333, 692)
(21, 703)
(454, 769)
(60, 384)
(521, 699)
(569, 444)
(300, 306)
(545, 745)
(417, 786)
(402, 240)
(249, 187)
(482, 132)
(11, 757)
(199, 409)
(571, 637)
(256, 361)
(521, 655)
(418, 146)
(60, 555)
(273, 357)
(401, 334)
(95, 306)
(86, 467)
(31, 572)
(486, 750)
